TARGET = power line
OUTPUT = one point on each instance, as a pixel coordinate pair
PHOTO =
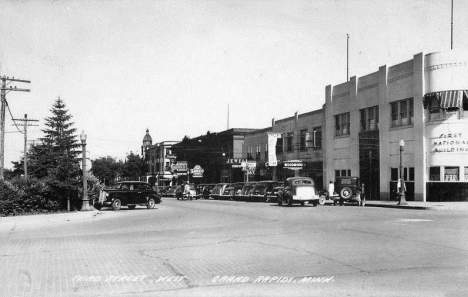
(25, 125)
(12, 117)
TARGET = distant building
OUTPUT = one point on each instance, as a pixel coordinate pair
(157, 159)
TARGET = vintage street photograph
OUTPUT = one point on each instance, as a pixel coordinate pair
(233, 148)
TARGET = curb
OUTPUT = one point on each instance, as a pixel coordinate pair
(400, 206)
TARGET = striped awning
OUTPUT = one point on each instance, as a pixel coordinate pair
(448, 99)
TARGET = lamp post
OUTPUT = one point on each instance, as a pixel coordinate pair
(85, 206)
(224, 167)
(402, 200)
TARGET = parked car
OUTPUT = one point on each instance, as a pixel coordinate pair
(349, 189)
(227, 193)
(273, 196)
(218, 190)
(236, 190)
(262, 191)
(246, 190)
(170, 192)
(130, 194)
(298, 190)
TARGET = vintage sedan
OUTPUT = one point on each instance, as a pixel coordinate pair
(349, 189)
(298, 190)
(246, 190)
(218, 190)
(262, 191)
(231, 191)
(130, 194)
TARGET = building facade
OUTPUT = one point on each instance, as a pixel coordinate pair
(298, 149)
(422, 101)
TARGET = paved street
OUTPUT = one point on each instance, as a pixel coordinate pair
(224, 248)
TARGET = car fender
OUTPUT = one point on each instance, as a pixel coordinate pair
(123, 201)
(156, 198)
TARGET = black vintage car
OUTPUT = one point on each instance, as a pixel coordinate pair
(349, 189)
(130, 194)
(262, 191)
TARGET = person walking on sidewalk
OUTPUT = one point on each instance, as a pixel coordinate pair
(331, 189)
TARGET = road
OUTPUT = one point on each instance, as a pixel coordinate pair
(226, 248)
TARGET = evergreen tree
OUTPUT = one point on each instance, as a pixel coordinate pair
(133, 168)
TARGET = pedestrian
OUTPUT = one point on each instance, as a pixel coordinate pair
(187, 190)
(331, 189)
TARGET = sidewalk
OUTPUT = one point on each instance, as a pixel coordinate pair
(8, 223)
(420, 205)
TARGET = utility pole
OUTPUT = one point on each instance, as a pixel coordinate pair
(5, 91)
(451, 31)
(347, 57)
(26, 120)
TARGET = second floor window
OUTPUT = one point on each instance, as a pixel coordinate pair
(302, 140)
(289, 142)
(370, 118)
(249, 152)
(258, 152)
(342, 124)
(402, 112)
(317, 136)
(266, 151)
(279, 145)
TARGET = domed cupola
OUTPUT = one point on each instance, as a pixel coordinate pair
(147, 139)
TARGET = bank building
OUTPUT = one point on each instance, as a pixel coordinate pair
(418, 108)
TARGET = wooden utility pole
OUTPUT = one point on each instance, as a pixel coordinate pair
(5, 82)
(25, 132)
(451, 29)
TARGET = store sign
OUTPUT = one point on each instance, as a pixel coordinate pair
(197, 171)
(249, 166)
(294, 164)
(272, 139)
(170, 156)
(235, 161)
(179, 167)
(450, 143)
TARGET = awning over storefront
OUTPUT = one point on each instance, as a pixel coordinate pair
(446, 99)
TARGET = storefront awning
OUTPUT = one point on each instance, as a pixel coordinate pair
(447, 99)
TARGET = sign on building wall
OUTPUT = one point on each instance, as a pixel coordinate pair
(180, 167)
(272, 138)
(197, 171)
(294, 164)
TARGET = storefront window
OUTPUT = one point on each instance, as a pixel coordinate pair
(394, 173)
(451, 173)
(434, 173)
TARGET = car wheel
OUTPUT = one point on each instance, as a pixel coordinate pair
(151, 203)
(131, 206)
(116, 204)
(346, 193)
(322, 199)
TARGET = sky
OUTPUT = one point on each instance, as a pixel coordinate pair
(173, 67)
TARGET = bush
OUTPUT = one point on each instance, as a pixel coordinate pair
(25, 197)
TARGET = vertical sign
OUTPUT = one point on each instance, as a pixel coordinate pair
(272, 138)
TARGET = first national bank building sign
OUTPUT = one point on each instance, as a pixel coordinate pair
(450, 143)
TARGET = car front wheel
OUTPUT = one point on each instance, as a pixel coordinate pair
(151, 203)
(116, 204)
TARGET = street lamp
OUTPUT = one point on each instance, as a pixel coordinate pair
(402, 200)
(85, 206)
(224, 167)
